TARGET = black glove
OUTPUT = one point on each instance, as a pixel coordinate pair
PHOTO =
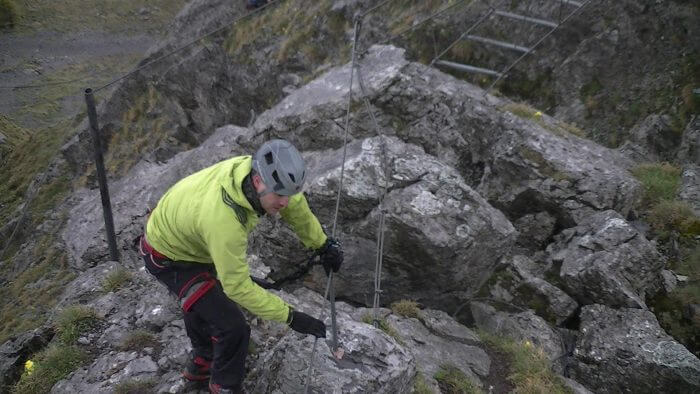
(305, 324)
(331, 255)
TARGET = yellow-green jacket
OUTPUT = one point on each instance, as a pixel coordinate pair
(206, 218)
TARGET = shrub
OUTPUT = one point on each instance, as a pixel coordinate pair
(116, 279)
(73, 321)
(406, 308)
(668, 216)
(8, 14)
(138, 340)
(453, 381)
(50, 366)
(530, 368)
(660, 181)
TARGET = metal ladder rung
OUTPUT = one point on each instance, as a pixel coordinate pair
(467, 68)
(502, 44)
(527, 19)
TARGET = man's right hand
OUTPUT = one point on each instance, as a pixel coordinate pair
(305, 324)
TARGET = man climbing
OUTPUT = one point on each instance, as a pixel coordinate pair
(195, 243)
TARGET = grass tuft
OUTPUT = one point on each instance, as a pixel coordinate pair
(50, 366)
(74, 321)
(530, 368)
(420, 386)
(453, 381)
(384, 326)
(135, 387)
(138, 340)
(406, 308)
(673, 216)
(660, 180)
(116, 280)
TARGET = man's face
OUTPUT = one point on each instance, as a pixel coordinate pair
(271, 202)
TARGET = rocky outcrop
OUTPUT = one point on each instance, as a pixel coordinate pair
(652, 140)
(689, 151)
(690, 187)
(16, 351)
(605, 260)
(625, 350)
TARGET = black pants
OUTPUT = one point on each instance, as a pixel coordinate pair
(214, 323)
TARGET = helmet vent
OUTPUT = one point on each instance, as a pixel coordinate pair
(268, 158)
(292, 176)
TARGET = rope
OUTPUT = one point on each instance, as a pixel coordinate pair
(387, 175)
(329, 284)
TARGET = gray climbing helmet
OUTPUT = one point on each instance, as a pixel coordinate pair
(281, 167)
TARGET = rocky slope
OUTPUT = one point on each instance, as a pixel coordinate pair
(495, 215)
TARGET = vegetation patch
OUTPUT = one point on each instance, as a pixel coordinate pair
(116, 279)
(384, 326)
(674, 311)
(554, 126)
(406, 308)
(74, 321)
(50, 366)
(453, 381)
(420, 386)
(8, 14)
(660, 181)
(671, 216)
(138, 340)
(135, 387)
(530, 370)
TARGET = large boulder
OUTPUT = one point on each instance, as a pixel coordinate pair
(605, 260)
(625, 350)
(437, 229)
(652, 140)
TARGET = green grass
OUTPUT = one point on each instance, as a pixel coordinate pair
(453, 381)
(420, 386)
(384, 326)
(406, 308)
(138, 340)
(660, 181)
(116, 280)
(50, 366)
(135, 387)
(554, 126)
(669, 216)
(8, 14)
(530, 370)
(75, 321)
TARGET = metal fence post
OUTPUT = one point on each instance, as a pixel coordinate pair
(101, 177)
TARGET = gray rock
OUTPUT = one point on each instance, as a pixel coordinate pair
(652, 140)
(670, 282)
(520, 283)
(576, 387)
(534, 230)
(605, 260)
(689, 151)
(625, 350)
(690, 187)
(15, 351)
(523, 326)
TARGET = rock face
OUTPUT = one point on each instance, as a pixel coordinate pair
(652, 140)
(689, 151)
(690, 186)
(16, 351)
(605, 260)
(625, 350)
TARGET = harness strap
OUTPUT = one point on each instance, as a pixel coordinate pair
(145, 247)
(195, 292)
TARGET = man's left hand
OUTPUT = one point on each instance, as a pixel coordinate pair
(331, 255)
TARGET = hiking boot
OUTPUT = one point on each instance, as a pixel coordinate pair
(218, 389)
(197, 369)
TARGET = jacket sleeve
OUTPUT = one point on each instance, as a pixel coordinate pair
(306, 226)
(228, 250)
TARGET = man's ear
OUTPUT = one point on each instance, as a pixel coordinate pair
(258, 183)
